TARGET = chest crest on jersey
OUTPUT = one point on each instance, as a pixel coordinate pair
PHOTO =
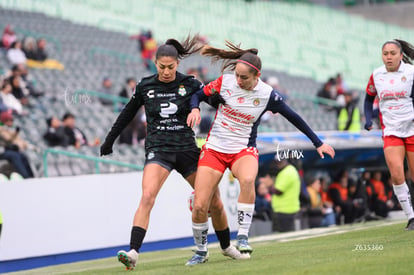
(182, 91)
(256, 102)
(403, 78)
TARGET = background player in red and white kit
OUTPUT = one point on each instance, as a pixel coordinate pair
(170, 143)
(231, 142)
(393, 84)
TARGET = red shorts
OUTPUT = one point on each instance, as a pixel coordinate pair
(408, 142)
(220, 161)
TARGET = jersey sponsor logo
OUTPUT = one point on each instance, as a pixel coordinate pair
(256, 102)
(392, 81)
(387, 94)
(150, 94)
(168, 109)
(182, 91)
(240, 100)
(236, 115)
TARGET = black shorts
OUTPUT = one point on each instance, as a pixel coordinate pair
(184, 163)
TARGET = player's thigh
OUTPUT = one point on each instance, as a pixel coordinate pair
(206, 184)
(394, 157)
(153, 178)
(245, 169)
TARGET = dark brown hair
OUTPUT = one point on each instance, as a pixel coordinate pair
(232, 55)
(179, 50)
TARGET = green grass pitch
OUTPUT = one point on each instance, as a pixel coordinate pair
(370, 248)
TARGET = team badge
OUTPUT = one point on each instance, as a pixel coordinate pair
(403, 78)
(256, 102)
(240, 100)
(182, 91)
(392, 81)
(371, 88)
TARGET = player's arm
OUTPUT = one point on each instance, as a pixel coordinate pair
(210, 91)
(277, 105)
(369, 102)
(124, 118)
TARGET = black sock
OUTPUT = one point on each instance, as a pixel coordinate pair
(137, 236)
(224, 238)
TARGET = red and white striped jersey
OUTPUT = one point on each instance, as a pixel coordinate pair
(395, 93)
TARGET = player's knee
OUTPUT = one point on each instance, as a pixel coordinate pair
(147, 199)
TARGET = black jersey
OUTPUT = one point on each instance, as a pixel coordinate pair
(166, 107)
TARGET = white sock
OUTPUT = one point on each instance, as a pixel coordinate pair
(245, 216)
(200, 231)
(402, 192)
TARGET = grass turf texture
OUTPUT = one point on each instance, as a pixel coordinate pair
(371, 248)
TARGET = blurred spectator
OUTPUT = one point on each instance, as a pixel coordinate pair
(285, 195)
(147, 46)
(274, 82)
(40, 53)
(8, 37)
(9, 100)
(327, 92)
(338, 194)
(203, 129)
(378, 197)
(200, 73)
(15, 55)
(319, 214)
(29, 47)
(28, 81)
(340, 85)
(349, 118)
(14, 146)
(129, 88)
(136, 131)
(106, 89)
(18, 87)
(55, 133)
(74, 135)
(262, 206)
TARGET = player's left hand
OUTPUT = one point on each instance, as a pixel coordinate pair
(327, 149)
(193, 118)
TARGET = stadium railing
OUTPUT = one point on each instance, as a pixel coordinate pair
(96, 160)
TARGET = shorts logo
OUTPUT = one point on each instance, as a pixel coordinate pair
(403, 78)
(202, 155)
(256, 102)
(240, 100)
(151, 155)
(181, 90)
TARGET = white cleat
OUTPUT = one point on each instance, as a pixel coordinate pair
(129, 259)
(233, 253)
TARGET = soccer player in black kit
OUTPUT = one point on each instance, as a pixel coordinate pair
(170, 143)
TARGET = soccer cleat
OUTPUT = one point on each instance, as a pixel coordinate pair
(233, 253)
(198, 258)
(410, 225)
(129, 259)
(243, 246)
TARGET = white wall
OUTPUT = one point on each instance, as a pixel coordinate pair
(67, 214)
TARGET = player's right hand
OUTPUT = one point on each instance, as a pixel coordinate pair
(106, 148)
(368, 126)
(193, 118)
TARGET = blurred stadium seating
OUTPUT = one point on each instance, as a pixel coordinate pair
(302, 44)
